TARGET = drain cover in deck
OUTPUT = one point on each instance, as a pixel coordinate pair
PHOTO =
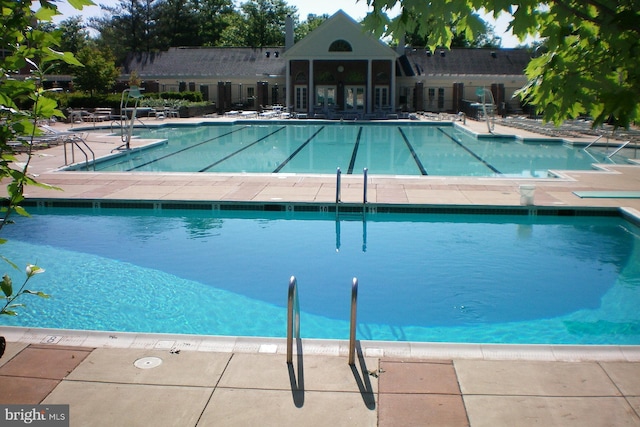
(147, 363)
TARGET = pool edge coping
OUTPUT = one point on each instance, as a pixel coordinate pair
(321, 347)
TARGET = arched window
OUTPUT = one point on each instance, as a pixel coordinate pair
(300, 78)
(340, 46)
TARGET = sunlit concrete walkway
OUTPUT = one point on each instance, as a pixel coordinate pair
(161, 380)
(121, 379)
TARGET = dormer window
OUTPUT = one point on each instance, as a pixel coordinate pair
(340, 46)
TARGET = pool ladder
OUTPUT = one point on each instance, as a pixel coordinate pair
(293, 319)
(365, 172)
(75, 142)
(615, 151)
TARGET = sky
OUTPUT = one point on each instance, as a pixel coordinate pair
(356, 9)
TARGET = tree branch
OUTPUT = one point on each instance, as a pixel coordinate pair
(601, 7)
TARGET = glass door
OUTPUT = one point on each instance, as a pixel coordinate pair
(325, 99)
(354, 99)
(300, 102)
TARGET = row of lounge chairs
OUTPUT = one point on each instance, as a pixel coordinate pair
(283, 113)
(106, 114)
(47, 137)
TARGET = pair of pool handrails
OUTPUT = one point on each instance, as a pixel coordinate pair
(293, 319)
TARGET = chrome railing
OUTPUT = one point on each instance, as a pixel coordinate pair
(293, 317)
(338, 184)
(75, 142)
(352, 335)
(624, 144)
(593, 142)
(364, 192)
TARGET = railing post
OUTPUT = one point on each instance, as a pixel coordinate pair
(338, 179)
(293, 323)
(364, 196)
(352, 335)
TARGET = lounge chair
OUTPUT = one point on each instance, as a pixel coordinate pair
(249, 114)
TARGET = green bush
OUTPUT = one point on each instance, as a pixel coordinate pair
(83, 101)
(187, 96)
(80, 100)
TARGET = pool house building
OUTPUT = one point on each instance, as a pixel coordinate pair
(336, 71)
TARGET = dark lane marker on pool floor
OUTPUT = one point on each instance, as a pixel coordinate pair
(240, 150)
(468, 150)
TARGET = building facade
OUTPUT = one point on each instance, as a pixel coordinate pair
(338, 70)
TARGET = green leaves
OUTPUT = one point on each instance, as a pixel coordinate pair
(590, 64)
(7, 286)
(79, 4)
(22, 104)
(10, 296)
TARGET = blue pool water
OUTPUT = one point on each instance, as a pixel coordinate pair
(423, 277)
(406, 149)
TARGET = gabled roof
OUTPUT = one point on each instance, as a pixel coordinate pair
(340, 26)
(212, 62)
(466, 61)
(250, 63)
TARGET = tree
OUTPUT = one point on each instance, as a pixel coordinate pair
(178, 23)
(98, 73)
(589, 64)
(128, 27)
(212, 20)
(73, 37)
(74, 34)
(265, 21)
(481, 39)
(305, 27)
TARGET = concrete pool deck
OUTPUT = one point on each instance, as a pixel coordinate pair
(194, 380)
(123, 379)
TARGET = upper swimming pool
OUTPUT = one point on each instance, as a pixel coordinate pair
(321, 148)
(505, 277)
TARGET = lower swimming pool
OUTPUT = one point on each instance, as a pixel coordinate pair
(384, 149)
(444, 277)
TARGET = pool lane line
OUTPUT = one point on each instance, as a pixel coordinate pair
(295, 153)
(423, 171)
(240, 150)
(468, 150)
(354, 153)
(187, 148)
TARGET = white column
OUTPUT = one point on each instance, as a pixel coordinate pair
(288, 88)
(369, 89)
(311, 95)
(393, 86)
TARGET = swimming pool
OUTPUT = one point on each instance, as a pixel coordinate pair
(504, 277)
(384, 149)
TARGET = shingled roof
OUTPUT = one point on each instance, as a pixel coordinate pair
(246, 62)
(467, 61)
(208, 62)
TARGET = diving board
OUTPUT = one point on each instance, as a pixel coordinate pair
(608, 194)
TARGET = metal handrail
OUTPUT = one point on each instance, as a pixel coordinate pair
(338, 179)
(293, 317)
(76, 142)
(364, 194)
(352, 335)
(624, 144)
(593, 142)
